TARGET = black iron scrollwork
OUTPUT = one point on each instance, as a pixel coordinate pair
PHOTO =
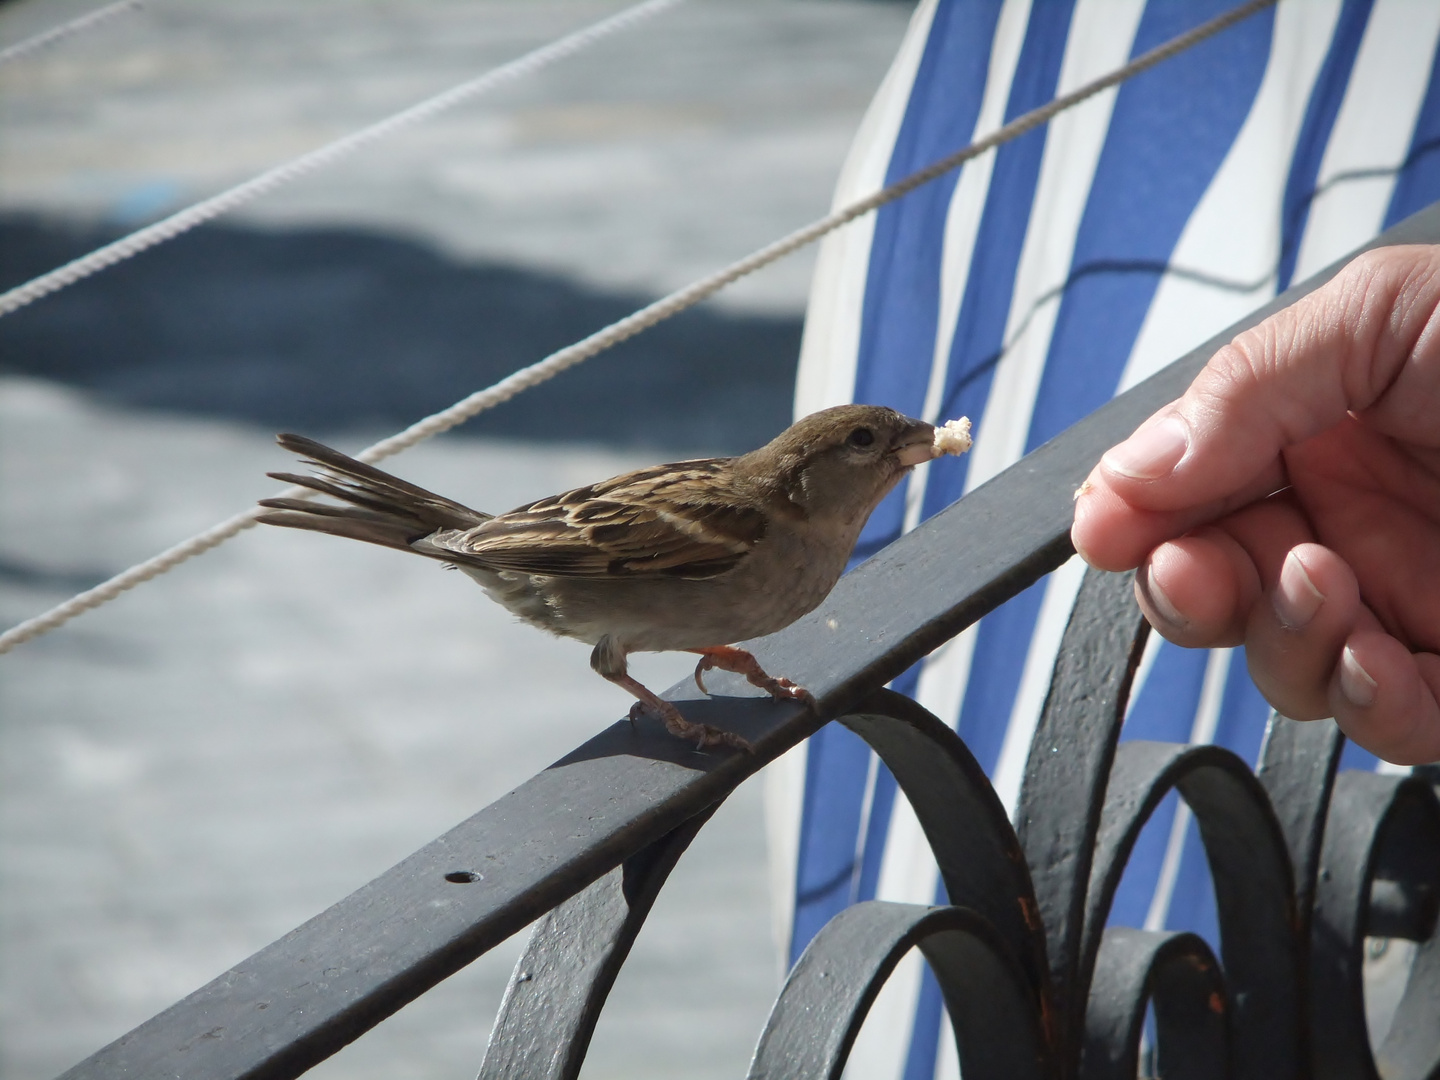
(1301, 880)
(833, 984)
(1035, 982)
(1180, 975)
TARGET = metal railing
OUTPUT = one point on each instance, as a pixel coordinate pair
(1305, 863)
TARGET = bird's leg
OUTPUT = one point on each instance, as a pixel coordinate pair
(729, 658)
(608, 660)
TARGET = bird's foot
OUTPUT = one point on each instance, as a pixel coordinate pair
(728, 658)
(703, 734)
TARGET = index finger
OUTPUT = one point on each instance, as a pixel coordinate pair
(1340, 350)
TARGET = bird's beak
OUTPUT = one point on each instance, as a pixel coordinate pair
(915, 444)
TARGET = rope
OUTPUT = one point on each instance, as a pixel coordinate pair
(184, 220)
(64, 30)
(617, 332)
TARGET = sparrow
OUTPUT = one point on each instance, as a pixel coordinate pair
(691, 556)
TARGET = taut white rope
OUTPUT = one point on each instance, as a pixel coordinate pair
(64, 30)
(201, 212)
(617, 332)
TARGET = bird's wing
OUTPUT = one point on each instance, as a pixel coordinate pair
(669, 520)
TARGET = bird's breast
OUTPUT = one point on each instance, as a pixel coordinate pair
(785, 576)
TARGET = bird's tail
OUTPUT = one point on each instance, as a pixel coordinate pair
(381, 509)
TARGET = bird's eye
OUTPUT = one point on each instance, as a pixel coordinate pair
(861, 436)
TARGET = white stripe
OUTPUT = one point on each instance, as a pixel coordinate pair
(947, 1061)
(1207, 718)
(884, 1040)
(826, 376)
(967, 201)
(941, 687)
(908, 872)
(830, 344)
(1234, 232)
(1061, 588)
(1101, 36)
(1153, 644)
(1372, 130)
(1385, 768)
(962, 224)
(784, 790)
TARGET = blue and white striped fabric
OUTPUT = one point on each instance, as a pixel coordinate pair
(1024, 292)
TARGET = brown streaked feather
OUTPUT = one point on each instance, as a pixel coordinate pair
(679, 520)
(366, 485)
(340, 521)
(381, 509)
(622, 527)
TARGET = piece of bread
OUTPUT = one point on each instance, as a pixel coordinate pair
(953, 437)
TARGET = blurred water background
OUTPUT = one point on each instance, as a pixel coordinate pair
(195, 769)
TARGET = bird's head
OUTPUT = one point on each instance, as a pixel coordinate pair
(840, 462)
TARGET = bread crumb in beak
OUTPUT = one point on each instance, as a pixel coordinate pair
(953, 437)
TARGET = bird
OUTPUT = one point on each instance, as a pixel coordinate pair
(692, 555)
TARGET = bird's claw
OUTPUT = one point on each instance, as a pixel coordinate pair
(704, 735)
(786, 690)
(743, 663)
(706, 663)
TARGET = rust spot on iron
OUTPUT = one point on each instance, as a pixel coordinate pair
(1030, 912)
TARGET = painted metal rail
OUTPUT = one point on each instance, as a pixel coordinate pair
(1306, 863)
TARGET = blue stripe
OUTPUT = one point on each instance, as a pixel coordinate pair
(1240, 728)
(1164, 168)
(1164, 707)
(1319, 122)
(882, 804)
(1142, 872)
(1192, 904)
(896, 341)
(1169, 133)
(1356, 757)
(925, 1030)
(1419, 182)
(929, 1014)
(1002, 644)
(1163, 710)
(1003, 637)
(902, 289)
(837, 766)
(990, 286)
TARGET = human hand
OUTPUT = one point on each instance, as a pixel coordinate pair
(1290, 501)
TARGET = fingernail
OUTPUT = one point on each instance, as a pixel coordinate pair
(1152, 452)
(1355, 682)
(1159, 602)
(1296, 599)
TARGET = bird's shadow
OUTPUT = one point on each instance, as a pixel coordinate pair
(754, 716)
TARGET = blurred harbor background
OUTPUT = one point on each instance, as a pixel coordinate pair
(195, 769)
